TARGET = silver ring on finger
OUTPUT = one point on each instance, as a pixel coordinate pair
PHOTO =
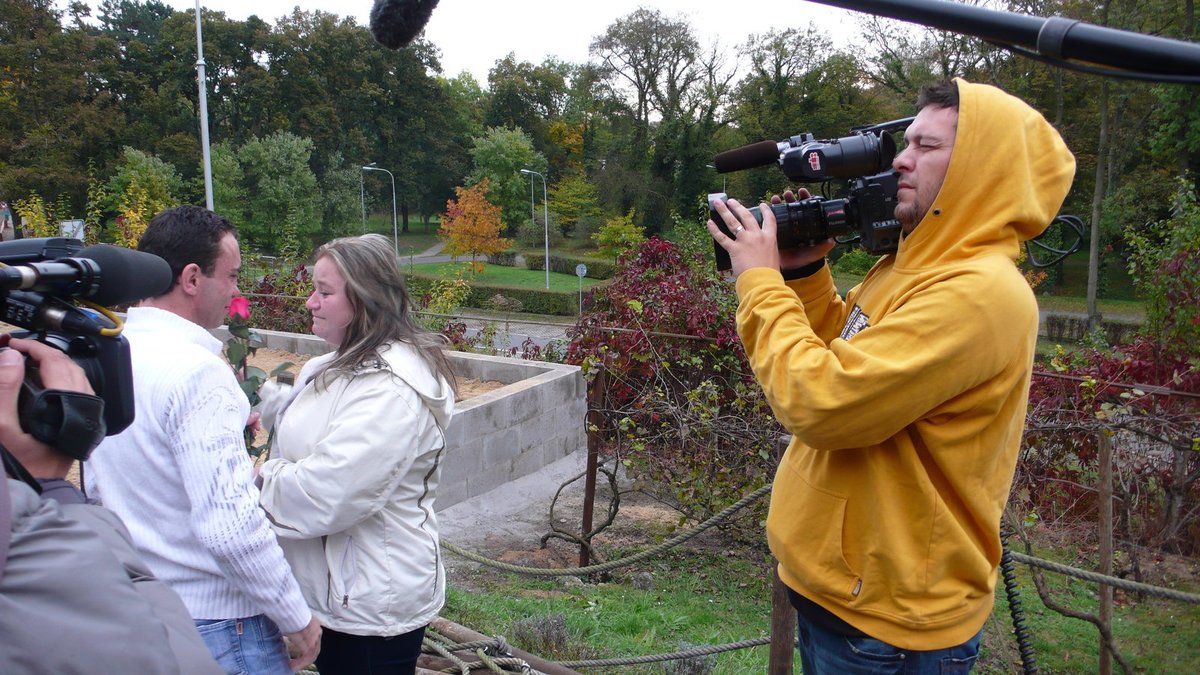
(738, 229)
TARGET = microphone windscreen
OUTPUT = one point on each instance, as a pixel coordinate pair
(396, 23)
(761, 153)
(127, 275)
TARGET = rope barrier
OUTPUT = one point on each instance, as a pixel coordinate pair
(614, 564)
(1115, 582)
(674, 656)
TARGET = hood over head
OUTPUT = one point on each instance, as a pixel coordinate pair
(1008, 175)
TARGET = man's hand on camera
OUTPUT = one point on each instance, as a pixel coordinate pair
(57, 371)
(304, 645)
(756, 246)
(805, 255)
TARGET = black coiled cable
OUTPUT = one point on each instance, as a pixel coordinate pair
(1024, 645)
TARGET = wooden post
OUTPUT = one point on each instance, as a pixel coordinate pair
(1106, 545)
(783, 629)
(596, 400)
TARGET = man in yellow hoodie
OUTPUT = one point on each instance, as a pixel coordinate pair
(906, 400)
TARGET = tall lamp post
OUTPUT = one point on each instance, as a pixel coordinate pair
(545, 216)
(362, 196)
(200, 81)
(395, 234)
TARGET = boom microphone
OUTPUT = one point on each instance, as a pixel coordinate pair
(106, 275)
(396, 23)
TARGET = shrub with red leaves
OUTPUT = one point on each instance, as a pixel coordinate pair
(1155, 430)
(683, 410)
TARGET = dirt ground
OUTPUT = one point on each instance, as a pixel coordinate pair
(269, 359)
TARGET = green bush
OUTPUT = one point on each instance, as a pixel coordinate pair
(855, 261)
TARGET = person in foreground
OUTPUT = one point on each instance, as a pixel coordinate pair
(906, 400)
(74, 596)
(180, 476)
(350, 487)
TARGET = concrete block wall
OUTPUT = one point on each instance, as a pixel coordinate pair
(536, 418)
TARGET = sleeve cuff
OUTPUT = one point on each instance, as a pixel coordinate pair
(803, 271)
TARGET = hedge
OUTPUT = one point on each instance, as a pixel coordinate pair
(533, 300)
(598, 268)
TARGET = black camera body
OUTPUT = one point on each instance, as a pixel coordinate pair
(51, 317)
(866, 214)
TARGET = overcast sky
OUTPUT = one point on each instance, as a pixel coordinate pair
(473, 34)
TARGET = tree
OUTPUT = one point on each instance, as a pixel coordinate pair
(281, 187)
(142, 186)
(619, 235)
(229, 191)
(472, 225)
(571, 199)
(340, 197)
(499, 156)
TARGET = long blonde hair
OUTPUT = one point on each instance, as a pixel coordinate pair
(382, 309)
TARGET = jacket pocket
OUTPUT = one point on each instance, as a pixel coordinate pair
(805, 528)
(342, 558)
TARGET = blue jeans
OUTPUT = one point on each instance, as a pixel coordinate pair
(250, 646)
(823, 652)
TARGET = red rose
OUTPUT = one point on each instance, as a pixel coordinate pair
(240, 307)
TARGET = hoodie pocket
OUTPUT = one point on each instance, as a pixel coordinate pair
(805, 528)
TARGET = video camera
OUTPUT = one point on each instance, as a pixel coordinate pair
(868, 209)
(40, 282)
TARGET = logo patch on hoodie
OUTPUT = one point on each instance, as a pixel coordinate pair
(854, 323)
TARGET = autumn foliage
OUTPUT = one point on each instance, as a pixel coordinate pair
(471, 225)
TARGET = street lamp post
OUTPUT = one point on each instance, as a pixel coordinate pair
(395, 234)
(545, 216)
(362, 196)
(200, 82)
(710, 166)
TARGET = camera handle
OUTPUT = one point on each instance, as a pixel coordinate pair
(70, 422)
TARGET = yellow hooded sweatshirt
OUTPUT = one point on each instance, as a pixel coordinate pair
(907, 400)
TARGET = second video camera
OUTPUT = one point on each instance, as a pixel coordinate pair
(865, 214)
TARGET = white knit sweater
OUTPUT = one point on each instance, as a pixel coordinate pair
(180, 478)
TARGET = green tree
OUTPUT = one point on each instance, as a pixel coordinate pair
(340, 199)
(229, 189)
(499, 156)
(571, 199)
(619, 235)
(280, 186)
(1164, 264)
(143, 183)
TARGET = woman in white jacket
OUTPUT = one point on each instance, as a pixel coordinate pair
(350, 488)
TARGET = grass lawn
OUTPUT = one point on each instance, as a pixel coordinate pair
(499, 275)
(715, 594)
(419, 237)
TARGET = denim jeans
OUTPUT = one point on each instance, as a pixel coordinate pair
(250, 646)
(823, 652)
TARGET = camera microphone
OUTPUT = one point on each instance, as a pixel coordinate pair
(396, 23)
(107, 275)
(750, 156)
(805, 158)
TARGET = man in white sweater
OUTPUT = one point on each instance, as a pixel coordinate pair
(179, 476)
